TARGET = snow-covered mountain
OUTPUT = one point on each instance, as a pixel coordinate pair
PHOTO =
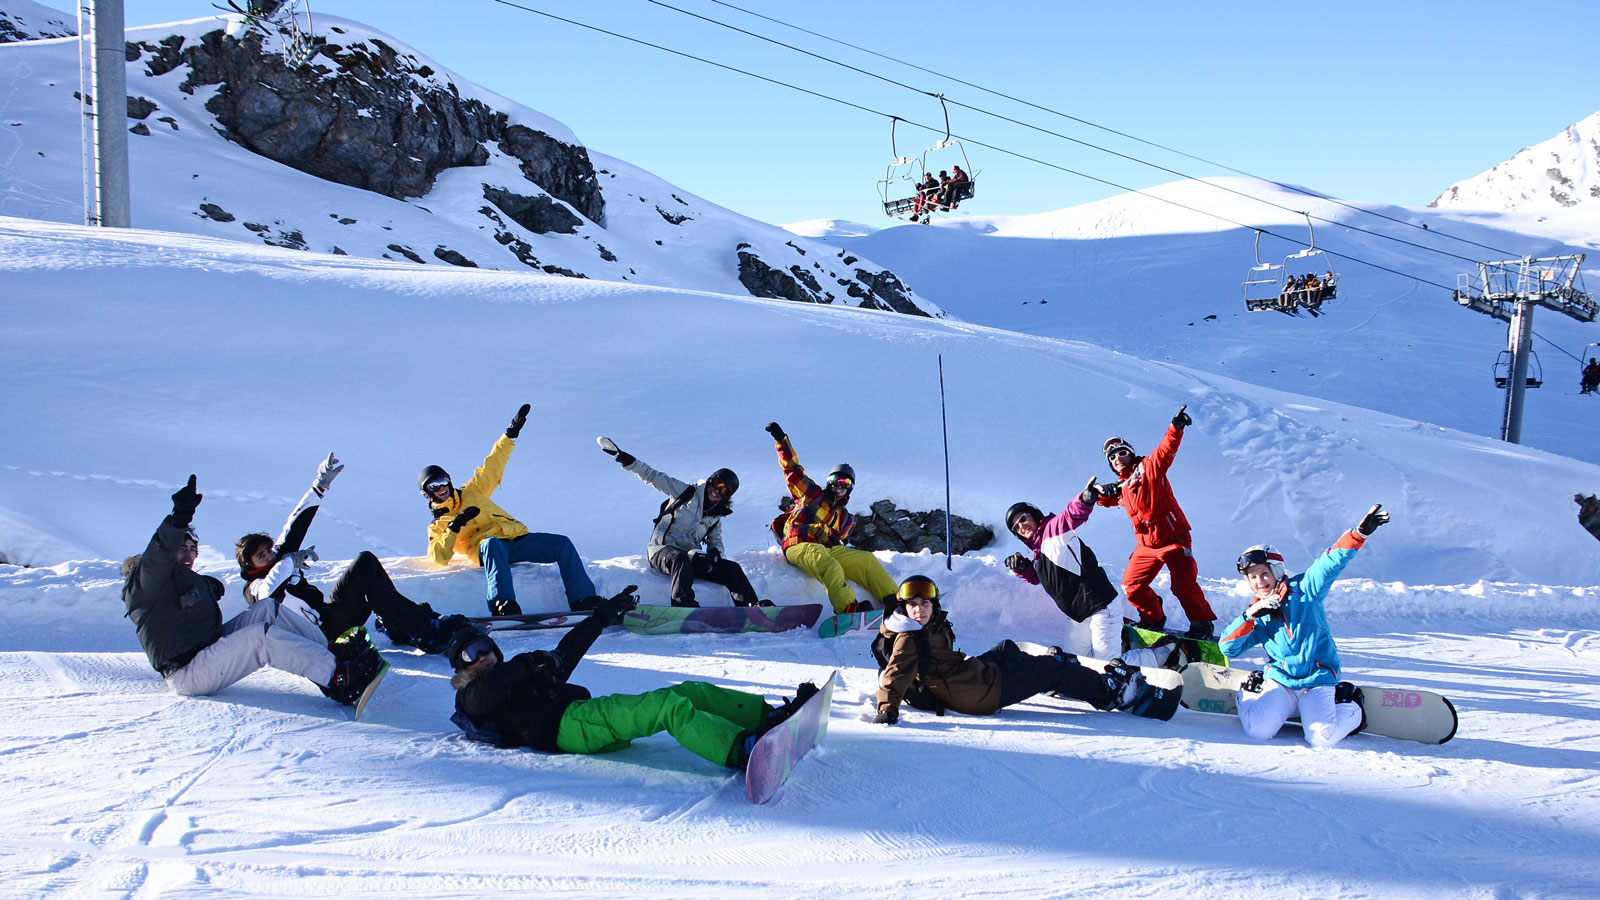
(1554, 175)
(373, 150)
(24, 20)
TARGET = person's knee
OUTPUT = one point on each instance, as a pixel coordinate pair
(1257, 730)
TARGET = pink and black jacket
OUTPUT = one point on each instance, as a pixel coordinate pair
(1065, 566)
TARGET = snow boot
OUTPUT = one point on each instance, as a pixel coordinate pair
(1120, 686)
(356, 663)
(1345, 692)
(1202, 631)
(504, 607)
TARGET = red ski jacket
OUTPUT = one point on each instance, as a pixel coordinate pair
(1147, 497)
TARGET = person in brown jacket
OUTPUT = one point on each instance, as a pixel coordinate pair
(921, 667)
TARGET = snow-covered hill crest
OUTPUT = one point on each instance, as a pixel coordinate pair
(371, 149)
(24, 20)
(1552, 175)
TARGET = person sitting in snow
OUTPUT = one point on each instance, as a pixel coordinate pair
(529, 700)
(1161, 529)
(1060, 562)
(467, 522)
(919, 666)
(814, 527)
(687, 541)
(1287, 619)
(178, 617)
(276, 571)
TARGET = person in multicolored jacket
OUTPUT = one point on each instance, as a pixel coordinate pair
(1287, 619)
(467, 522)
(1161, 528)
(1067, 569)
(816, 527)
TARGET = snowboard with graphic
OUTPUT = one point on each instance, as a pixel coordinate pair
(528, 621)
(1162, 694)
(774, 756)
(644, 619)
(372, 687)
(1403, 713)
(1191, 649)
(844, 623)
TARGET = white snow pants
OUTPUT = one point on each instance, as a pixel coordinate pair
(1100, 637)
(1325, 722)
(260, 636)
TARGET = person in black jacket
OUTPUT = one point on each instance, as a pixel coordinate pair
(177, 615)
(276, 571)
(528, 701)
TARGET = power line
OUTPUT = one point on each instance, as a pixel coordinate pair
(1109, 130)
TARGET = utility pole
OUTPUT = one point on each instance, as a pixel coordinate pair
(1509, 290)
(106, 194)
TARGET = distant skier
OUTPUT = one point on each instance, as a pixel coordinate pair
(1161, 528)
(812, 532)
(687, 541)
(467, 522)
(1286, 617)
(179, 622)
(1591, 377)
(528, 700)
(1061, 563)
(275, 570)
(919, 666)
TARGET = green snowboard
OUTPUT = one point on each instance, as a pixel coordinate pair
(1192, 649)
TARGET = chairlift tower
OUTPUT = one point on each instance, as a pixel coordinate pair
(103, 97)
(1509, 290)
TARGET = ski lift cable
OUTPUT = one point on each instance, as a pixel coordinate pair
(975, 142)
(1122, 134)
(1557, 346)
(1082, 143)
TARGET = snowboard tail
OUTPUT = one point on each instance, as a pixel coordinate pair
(1403, 713)
(844, 623)
(775, 754)
(372, 687)
(644, 619)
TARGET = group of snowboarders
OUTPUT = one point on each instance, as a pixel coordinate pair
(528, 700)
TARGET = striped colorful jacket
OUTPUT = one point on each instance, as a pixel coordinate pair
(814, 518)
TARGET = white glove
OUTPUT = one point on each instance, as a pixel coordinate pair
(1266, 606)
(327, 471)
(303, 556)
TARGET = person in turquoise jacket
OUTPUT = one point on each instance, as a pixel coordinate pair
(1287, 619)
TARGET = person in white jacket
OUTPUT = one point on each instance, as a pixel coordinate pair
(687, 541)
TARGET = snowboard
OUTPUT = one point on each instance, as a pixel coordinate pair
(644, 619)
(1410, 715)
(774, 756)
(372, 687)
(1192, 649)
(843, 623)
(1163, 687)
(528, 621)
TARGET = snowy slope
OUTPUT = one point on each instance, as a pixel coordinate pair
(1147, 278)
(1553, 175)
(24, 20)
(188, 176)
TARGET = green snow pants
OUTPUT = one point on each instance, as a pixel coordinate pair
(704, 718)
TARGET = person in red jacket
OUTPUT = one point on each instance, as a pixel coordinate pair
(1146, 496)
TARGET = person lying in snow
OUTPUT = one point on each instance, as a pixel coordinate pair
(920, 666)
(276, 571)
(176, 613)
(1287, 619)
(529, 701)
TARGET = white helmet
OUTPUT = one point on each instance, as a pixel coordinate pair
(1262, 553)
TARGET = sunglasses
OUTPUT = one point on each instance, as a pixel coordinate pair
(476, 650)
(918, 590)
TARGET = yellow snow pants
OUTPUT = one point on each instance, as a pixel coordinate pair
(834, 566)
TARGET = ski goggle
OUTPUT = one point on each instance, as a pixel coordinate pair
(726, 491)
(435, 485)
(836, 480)
(1119, 450)
(479, 648)
(1257, 558)
(917, 590)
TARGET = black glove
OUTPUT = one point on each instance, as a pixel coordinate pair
(713, 554)
(1182, 420)
(517, 421)
(1112, 491)
(546, 660)
(1370, 522)
(887, 716)
(1091, 491)
(467, 515)
(1016, 562)
(610, 448)
(776, 430)
(184, 503)
(439, 512)
(614, 607)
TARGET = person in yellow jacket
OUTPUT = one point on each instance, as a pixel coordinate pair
(815, 528)
(467, 522)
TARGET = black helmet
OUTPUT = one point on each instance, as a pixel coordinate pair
(431, 473)
(461, 651)
(1017, 509)
(845, 471)
(726, 478)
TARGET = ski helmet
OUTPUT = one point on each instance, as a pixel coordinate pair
(1113, 444)
(1017, 509)
(464, 647)
(726, 478)
(842, 471)
(1259, 554)
(431, 473)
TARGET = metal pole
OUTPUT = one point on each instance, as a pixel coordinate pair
(1520, 343)
(91, 216)
(944, 426)
(111, 114)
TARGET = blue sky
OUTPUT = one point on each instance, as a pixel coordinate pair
(1367, 101)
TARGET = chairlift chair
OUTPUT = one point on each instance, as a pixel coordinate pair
(940, 152)
(1264, 285)
(1311, 260)
(898, 189)
(1502, 369)
(1590, 351)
